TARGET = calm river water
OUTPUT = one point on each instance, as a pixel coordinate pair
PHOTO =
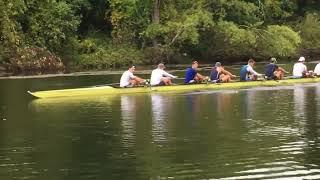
(260, 133)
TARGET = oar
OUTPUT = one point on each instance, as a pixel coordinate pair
(179, 78)
(111, 84)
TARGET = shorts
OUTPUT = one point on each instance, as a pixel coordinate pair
(216, 81)
(128, 86)
(271, 77)
(160, 84)
(191, 82)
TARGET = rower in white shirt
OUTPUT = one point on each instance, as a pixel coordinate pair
(300, 69)
(317, 70)
(130, 80)
(159, 77)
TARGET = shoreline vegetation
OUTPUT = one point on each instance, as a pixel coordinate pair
(84, 35)
(143, 70)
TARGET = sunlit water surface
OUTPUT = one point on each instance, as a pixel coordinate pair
(260, 133)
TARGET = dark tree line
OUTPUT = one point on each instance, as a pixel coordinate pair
(100, 34)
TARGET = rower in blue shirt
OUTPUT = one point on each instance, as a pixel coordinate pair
(192, 76)
(247, 73)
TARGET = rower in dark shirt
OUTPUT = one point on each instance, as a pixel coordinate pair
(219, 74)
(273, 71)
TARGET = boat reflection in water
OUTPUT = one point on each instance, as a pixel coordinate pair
(128, 123)
(317, 92)
(299, 98)
(160, 114)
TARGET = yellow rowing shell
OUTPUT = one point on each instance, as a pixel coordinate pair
(108, 90)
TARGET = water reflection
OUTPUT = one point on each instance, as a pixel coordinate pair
(128, 123)
(317, 93)
(3, 116)
(250, 102)
(299, 98)
(225, 104)
(249, 134)
(161, 109)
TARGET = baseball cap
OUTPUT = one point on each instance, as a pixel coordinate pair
(302, 59)
(273, 60)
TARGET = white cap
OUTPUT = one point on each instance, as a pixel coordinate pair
(302, 59)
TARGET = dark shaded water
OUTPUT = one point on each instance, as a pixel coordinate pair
(261, 133)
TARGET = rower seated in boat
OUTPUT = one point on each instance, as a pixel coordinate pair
(317, 70)
(219, 74)
(159, 77)
(192, 76)
(247, 73)
(300, 69)
(129, 80)
(273, 71)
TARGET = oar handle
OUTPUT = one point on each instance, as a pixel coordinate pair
(111, 84)
(179, 78)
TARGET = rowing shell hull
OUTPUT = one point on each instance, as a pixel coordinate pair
(108, 90)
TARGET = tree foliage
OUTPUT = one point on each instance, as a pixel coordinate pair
(310, 31)
(279, 41)
(49, 24)
(99, 33)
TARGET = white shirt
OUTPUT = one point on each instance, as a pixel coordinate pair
(317, 69)
(253, 72)
(298, 69)
(156, 76)
(125, 78)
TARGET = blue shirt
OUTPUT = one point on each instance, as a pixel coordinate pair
(190, 74)
(270, 70)
(214, 75)
(243, 73)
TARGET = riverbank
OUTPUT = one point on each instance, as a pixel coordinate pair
(3, 72)
(172, 68)
(145, 70)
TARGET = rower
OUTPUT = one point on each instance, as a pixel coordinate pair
(192, 76)
(317, 70)
(219, 74)
(247, 73)
(130, 80)
(300, 69)
(159, 77)
(273, 71)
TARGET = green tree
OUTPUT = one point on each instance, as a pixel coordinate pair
(279, 41)
(50, 24)
(310, 31)
(179, 25)
(10, 29)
